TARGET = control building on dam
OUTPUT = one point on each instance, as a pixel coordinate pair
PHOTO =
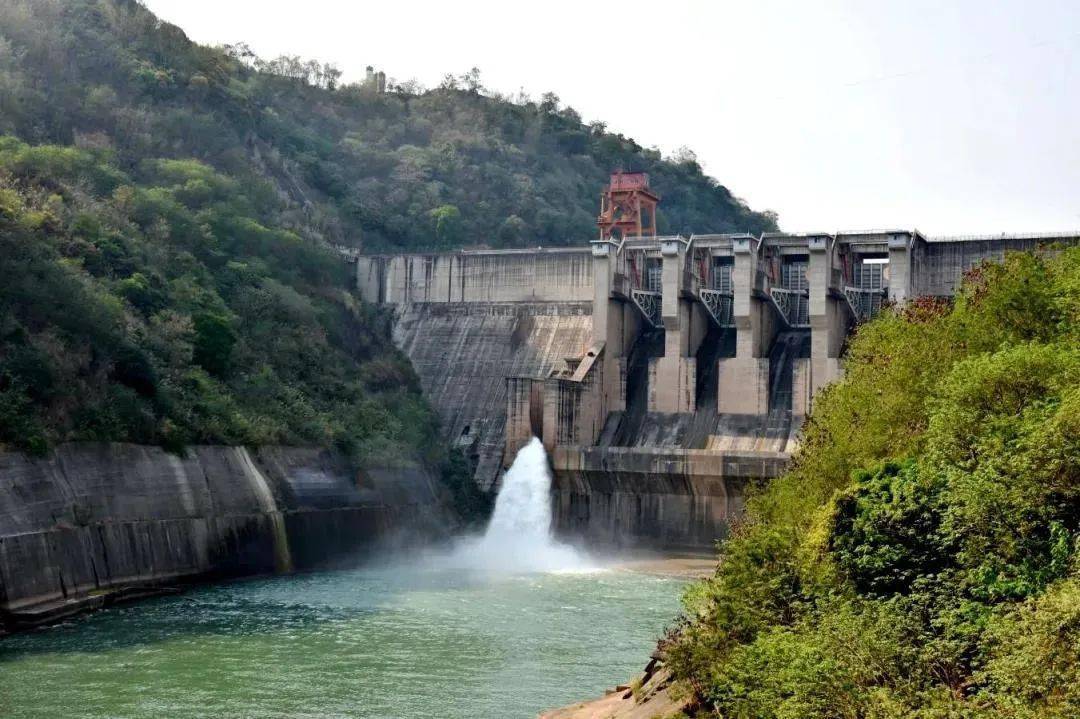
(662, 373)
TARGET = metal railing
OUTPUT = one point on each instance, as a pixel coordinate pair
(865, 303)
(720, 306)
(793, 305)
(650, 304)
(1005, 236)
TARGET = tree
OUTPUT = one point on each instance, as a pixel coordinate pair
(331, 75)
(471, 81)
(214, 342)
(684, 156)
(549, 103)
(446, 222)
(512, 231)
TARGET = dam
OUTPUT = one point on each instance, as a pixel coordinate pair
(662, 373)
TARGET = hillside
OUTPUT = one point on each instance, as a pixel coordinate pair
(166, 212)
(403, 170)
(920, 559)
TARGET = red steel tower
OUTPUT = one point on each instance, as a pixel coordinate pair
(627, 207)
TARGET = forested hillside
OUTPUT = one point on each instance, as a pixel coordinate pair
(404, 169)
(167, 211)
(920, 559)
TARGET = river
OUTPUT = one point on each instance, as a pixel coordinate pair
(363, 643)
(498, 626)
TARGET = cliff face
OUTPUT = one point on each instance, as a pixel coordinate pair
(92, 520)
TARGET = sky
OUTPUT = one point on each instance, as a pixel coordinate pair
(951, 116)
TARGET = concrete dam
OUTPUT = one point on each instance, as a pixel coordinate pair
(663, 374)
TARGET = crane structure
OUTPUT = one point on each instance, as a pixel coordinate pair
(627, 207)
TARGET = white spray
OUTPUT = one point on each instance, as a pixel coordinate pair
(518, 538)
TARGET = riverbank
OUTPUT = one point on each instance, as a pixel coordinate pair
(649, 696)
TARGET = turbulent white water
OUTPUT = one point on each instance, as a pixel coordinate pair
(518, 538)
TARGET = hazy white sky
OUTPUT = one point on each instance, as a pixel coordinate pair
(950, 116)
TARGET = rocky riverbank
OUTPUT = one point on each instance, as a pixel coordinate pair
(649, 696)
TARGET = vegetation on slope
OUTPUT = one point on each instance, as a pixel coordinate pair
(164, 306)
(166, 212)
(919, 560)
(408, 169)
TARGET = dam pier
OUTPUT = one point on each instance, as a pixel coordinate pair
(662, 373)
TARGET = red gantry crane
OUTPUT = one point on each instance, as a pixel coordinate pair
(627, 207)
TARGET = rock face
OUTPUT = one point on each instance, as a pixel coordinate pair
(91, 520)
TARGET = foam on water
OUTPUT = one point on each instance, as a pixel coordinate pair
(518, 537)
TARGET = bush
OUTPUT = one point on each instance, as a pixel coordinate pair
(886, 530)
(214, 342)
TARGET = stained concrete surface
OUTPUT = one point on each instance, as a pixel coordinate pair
(463, 354)
(98, 518)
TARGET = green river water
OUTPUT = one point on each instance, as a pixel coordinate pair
(389, 642)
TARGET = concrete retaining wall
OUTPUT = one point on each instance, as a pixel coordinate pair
(939, 266)
(653, 498)
(90, 519)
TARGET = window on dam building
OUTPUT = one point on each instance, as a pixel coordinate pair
(871, 273)
(654, 274)
(870, 280)
(721, 275)
(793, 273)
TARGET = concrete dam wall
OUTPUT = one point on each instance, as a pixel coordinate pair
(663, 374)
(562, 274)
(464, 353)
(623, 497)
(94, 520)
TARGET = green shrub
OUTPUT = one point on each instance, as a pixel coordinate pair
(886, 530)
(214, 342)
